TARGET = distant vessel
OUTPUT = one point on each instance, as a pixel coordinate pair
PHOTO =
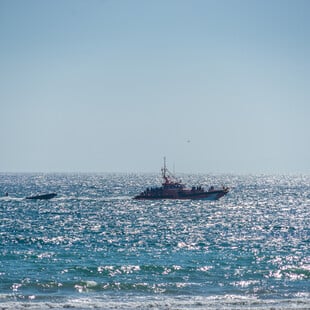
(172, 188)
(43, 196)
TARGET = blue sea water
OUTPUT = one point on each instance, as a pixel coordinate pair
(94, 247)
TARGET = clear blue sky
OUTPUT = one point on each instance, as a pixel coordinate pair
(217, 86)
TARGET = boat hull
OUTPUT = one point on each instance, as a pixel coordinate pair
(42, 197)
(210, 195)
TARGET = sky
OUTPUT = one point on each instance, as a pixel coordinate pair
(216, 86)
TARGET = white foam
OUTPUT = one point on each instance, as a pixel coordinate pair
(160, 302)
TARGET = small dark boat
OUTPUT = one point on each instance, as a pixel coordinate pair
(43, 196)
(174, 189)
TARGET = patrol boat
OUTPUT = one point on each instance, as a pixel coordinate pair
(172, 188)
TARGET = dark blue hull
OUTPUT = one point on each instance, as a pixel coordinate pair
(44, 196)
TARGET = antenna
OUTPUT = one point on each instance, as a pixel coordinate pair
(164, 169)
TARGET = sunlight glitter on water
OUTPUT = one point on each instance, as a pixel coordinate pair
(94, 243)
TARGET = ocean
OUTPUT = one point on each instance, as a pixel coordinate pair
(94, 247)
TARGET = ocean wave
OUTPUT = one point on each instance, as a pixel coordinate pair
(159, 303)
(95, 245)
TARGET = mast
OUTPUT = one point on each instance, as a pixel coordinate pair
(168, 177)
(164, 170)
(165, 167)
